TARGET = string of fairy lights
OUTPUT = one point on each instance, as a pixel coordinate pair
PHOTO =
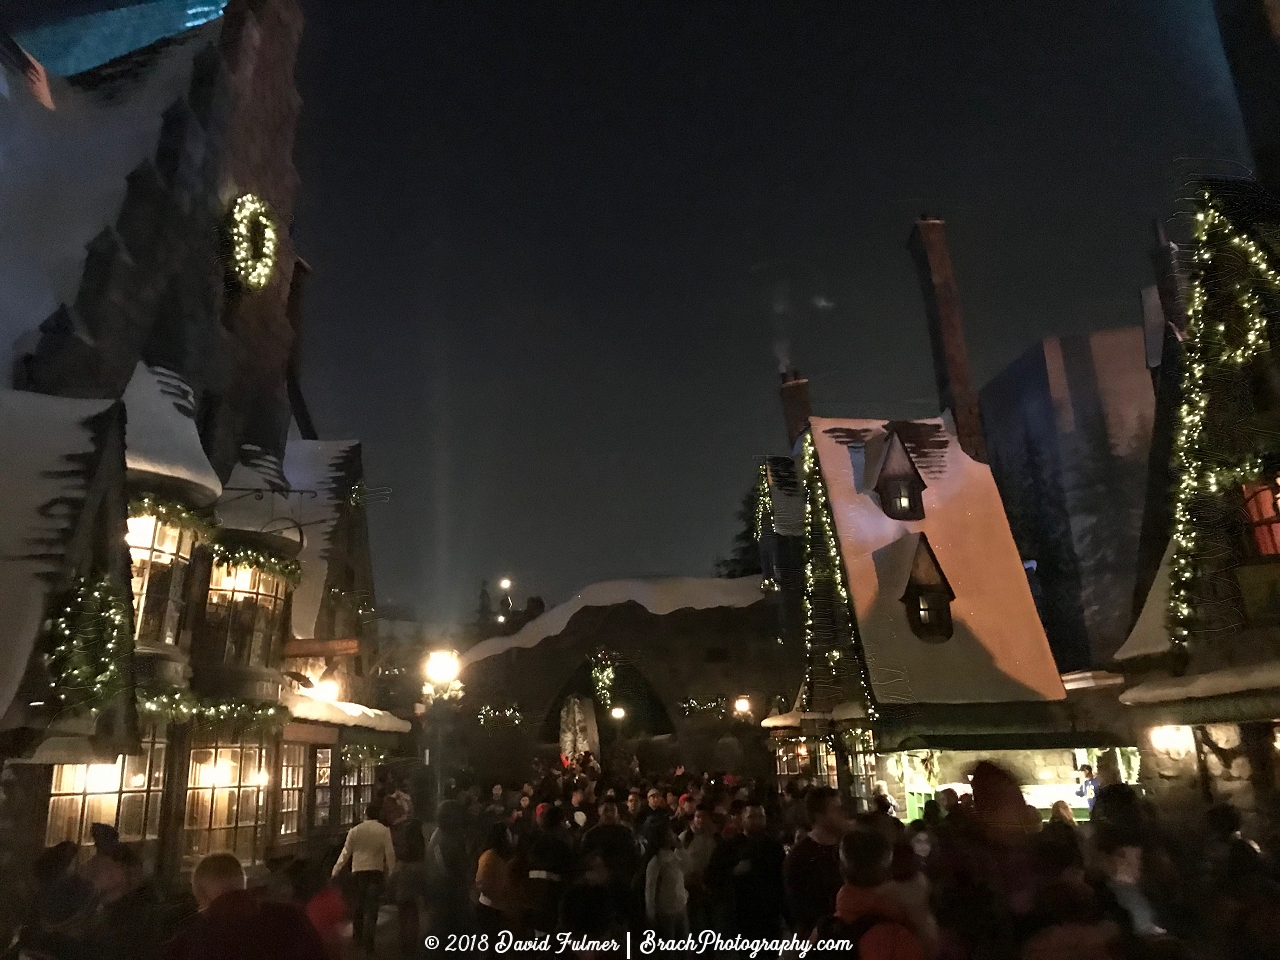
(1215, 237)
(175, 514)
(819, 524)
(254, 241)
(239, 555)
(603, 674)
(90, 636)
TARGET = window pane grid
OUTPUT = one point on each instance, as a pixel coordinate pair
(159, 554)
(125, 794)
(292, 762)
(244, 607)
(324, 765)
(226, 808)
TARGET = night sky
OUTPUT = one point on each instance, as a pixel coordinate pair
(558, 248)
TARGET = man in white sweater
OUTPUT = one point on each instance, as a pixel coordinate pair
(665, 897)
(373, 860)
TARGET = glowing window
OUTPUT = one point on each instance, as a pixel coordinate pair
(293, 757)
(160, 553)
(226, 799)
(925, 612)
(324, 770)
(244, 611)
(357, 789)
(125, 794)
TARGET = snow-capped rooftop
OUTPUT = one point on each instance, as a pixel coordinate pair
(47, 443)
(256, 498)
(660, 596)
(998, 651)
(343, 714)
(317, 476)
(1150, 634)
(161, 434)
(64, 175)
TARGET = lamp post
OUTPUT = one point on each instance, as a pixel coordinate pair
(441, 669)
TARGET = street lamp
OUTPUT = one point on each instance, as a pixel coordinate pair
(505, 583)
(442, 669)
(742, 705)
(618, 713)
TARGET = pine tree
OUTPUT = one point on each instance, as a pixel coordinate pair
(744, 560)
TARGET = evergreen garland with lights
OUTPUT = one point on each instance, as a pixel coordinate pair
(602, 676)
(90, 637)
(826, 592)
(354, 754)
(174, 514)
(713, 708)
(507, 717)
(183, 706)
(764, 502)
(254, 240)
(1215, 451)
(232, 555)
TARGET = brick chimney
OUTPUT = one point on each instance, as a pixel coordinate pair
(928, 244)
(795, 405)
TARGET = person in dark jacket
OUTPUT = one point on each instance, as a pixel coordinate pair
(409, 883)
(812, 869)
(746, 875)
(125, 926)
(233, 924)
(550, 860)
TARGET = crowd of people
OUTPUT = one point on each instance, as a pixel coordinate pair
(709, 865)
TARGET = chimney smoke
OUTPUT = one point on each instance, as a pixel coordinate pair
(795, 405)
(928, 244)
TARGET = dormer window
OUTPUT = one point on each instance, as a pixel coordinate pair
(928, 595)
(897, 481)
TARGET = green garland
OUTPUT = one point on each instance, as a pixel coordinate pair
(764, 501)
(506, 717)
(91, 637)
(182, 706)
(693, 707)
(822, 559)
(602, 677)
(241, 556)
(175, 514)
(1208, 353)
(357, 753)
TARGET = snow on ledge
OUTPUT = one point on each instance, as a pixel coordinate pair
(342, 714)
(659, 596)
(1216, 683)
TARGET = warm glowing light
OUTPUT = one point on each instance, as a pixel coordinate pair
(617, 713)
(443, 667)
(142, 531)
(324, 690)
(261, 778)
(138, 780)
(103, 778)
(1176, 741)
(222, 776)
(253, 241)
(742, 705)
(504, 583)
(501, 618)
(803, 749)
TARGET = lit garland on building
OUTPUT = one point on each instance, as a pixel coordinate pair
(253, 241)
(91, 635)
(241, 556)
(507, 717)
(695, 708)
(354, 754)
(183, 706)
(817, 512)
(174, 514)
(1207, 351)
(764, 501)
(602, 676)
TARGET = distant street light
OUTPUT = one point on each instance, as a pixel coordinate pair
(501, 618)
(443, 667)
(742, 705)
(505, 583)
(617, 713)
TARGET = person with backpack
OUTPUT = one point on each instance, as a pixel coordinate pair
(865, 915)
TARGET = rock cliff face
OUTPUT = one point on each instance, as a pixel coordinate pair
(157, 284)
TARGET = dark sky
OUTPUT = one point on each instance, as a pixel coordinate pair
(548, 237)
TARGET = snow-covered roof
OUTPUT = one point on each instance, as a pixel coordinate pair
(64, 175)
(660, 596)
(316, 470)
(256, 498)
(161, 436)
(1216, 683)
(1150, 634)
(998, 651)
(48, 445)
(342, 714)
(786, 498)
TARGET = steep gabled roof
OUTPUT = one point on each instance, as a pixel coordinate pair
(786, 498)
(892, 462)
(50, 449)
(925, 570)
(998, 651)
(319, 473)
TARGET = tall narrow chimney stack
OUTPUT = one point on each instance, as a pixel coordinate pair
(795, 405)
(928, 244)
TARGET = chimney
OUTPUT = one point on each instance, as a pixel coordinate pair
(795, 405)
(928, 244)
